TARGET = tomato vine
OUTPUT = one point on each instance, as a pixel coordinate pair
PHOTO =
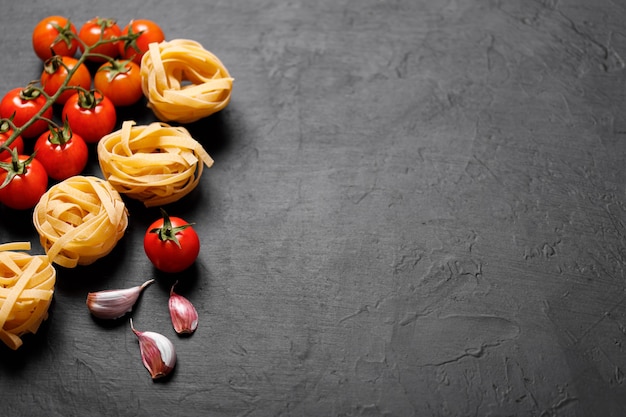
(64, 86)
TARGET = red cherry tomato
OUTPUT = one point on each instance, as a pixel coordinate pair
(22, 104)
(62, 153)
(143, 33)
(5, 134)
(120, 81)
(54, 33)
(97, 29)
(56, 71)
(171, 244)
(28, 182)
(90, 115)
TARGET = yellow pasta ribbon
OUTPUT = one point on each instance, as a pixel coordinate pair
(26, 290)
(184, 82)
(156, 164)
(80, 220)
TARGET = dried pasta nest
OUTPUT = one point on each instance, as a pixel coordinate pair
(184, 82)
(156, 164)
(80, 220)
(26, 290)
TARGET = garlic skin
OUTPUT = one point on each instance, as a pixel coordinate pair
(183, 313)
(113, 304)
(157, 352)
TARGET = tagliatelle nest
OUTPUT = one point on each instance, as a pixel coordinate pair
(156, 164)
(80, 220)
(184, 82)
(26, 290)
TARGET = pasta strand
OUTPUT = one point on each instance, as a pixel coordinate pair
(26, 291)
(156, 164)
(167, 68)
(80, 220)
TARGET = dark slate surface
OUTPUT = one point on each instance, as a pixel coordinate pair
(417, 209)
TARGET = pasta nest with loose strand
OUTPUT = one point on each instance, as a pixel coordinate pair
(156, 164)
(80, 220)
(26, 290)
(184, 82)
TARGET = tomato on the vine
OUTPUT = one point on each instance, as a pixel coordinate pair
(171, 244)
(22, 104)
(56, 70)
(54, 35)
(23, 180)
(142, 33)
(97, 29)
(61, 152)
(5, 134)
(120, 81)
(90, 115)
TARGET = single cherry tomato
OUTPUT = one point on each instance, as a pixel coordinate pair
(142, 33)
(5, 134)
(171, 244)
(23, 180)
(62, 153)
(56, 71)
(54, 33)
(90, 115)
(120, 81)
(22, 104)
(99, 29)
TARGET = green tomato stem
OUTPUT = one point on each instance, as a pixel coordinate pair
(167, 231)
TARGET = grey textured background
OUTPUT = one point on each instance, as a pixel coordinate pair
(416, 209)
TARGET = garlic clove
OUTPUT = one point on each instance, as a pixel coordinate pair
(183, 313)
(157, 352)
(113, 304)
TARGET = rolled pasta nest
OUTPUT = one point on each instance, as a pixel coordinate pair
(184, 82)
(26, 290)
(80, 220)
(156, 164)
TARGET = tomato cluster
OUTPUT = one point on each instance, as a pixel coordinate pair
(86, 103)
(120, 55)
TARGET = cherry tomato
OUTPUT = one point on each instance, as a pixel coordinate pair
(97, 29)
(62, 153)
(120, 81)
(22, 104)
(171, 244)
(24, 180)
(90, 115)
(5, 134)
(54, 33)
(143, 32)
(55, 73)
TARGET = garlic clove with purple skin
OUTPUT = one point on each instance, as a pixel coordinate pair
(157, 352)
(183, 313)
(113, 304)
